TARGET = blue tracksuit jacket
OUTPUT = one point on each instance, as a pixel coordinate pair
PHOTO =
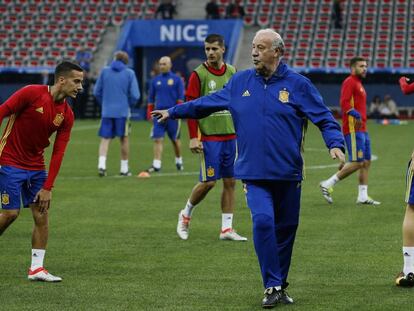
(270, 118)
(116, 90)
(166, 90)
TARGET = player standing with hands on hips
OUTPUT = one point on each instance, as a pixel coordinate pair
(35, 112)
(270, 105)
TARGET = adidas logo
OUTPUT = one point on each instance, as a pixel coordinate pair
(406, 254)
(246, 93)
(40, 109)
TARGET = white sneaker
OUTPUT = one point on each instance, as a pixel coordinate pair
(230, 234)
(41, 274)
(182, 225)
(368, 201)
(326, 192)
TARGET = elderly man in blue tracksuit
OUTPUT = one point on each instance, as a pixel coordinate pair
(270, 105)
(116, 91)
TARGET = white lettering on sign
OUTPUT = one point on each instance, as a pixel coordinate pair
(189, 33)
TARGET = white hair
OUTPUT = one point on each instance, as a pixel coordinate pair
(277, 41)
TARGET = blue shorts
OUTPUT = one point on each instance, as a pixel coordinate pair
(358, 145)
(217, 160)
(409, 189)
(172, 127)
(18, 185)
(114, 127)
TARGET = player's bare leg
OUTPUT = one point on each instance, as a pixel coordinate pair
(227, 209)
(40, 233)
(103, 151)
(363, 197)
(177, 151)
(406, 277)
(6, 218)
(124, 156)
(158, 149)
(198, 193)
(348, 169)
(40, 236)
(326, 186)
(408, 226)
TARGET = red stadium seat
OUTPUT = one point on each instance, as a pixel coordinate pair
(263, 20)
(299, 62)
(316, 62)
(248, 20)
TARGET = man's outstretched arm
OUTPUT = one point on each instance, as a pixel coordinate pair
(198, 108)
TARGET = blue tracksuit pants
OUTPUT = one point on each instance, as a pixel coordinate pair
(275, 209)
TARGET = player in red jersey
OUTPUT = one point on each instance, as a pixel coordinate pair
(35, 112)
(406, 277)
(354, 120)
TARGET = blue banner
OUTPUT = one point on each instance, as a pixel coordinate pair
(183, 33)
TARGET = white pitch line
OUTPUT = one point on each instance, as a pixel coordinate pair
(175, 174)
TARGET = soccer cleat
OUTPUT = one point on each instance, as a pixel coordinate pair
(368, 201)
(405, 280)
(326, 192)
(153, 169)
(101, 172)
(41, 274)
(125, 174)
(179, 166)
(183, 225)
(286, 299)
(231, 235)
(272, 298)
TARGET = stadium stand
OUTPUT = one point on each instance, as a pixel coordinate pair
(372, 28)
(33, 32)
(37, 33)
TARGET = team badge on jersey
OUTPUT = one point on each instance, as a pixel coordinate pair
(212, 85)
(170, 81)
(284, 96)
(210, 171)
(158, 82)
(360, 154)
(58, 119)
(5, 199)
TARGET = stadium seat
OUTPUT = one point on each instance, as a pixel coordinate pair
(263, 20)
(299, 62)
(248, 20)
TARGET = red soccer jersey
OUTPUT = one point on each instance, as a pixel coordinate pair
(353, 96)
(193, 92)
(34, 117)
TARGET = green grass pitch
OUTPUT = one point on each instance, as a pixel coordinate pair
(113, 239)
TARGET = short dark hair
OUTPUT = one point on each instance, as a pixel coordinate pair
(215, 38)
(355, 60)
(65, 67)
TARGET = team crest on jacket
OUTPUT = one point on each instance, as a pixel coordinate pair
(170, 82)
(5, 199)
(210, 171)
(58, 119)
(284, 96)
(360, 154)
